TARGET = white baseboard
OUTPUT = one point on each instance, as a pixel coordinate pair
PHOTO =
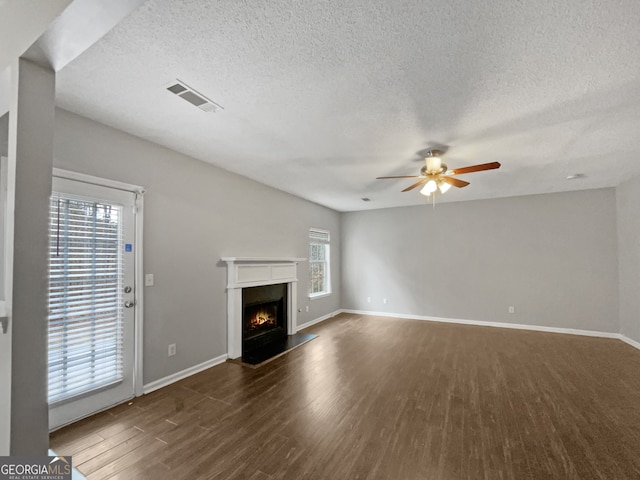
(516, 326)
(631, 342)
(187, 372)
(175, 377)
(319, 319)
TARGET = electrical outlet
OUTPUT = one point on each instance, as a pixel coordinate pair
(172, 350)
(385, 301)
(148, 280)
(306, 309)
(368, 299)
(512, 309)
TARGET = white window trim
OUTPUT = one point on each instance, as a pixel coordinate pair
(318, 295)
(315, 296)
(139, 272)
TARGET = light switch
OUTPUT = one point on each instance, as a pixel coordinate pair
(148, 280)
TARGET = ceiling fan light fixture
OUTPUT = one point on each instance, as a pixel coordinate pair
(429, 187)
(443, 186)
(435, 175)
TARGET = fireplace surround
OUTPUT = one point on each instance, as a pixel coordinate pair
(247, 272)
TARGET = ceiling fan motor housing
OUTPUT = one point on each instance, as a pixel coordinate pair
(443, 169)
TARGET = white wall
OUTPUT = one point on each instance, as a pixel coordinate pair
(628, 201)
(553, 257)
(194, 214)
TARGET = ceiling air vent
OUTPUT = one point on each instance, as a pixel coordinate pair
(192, 96)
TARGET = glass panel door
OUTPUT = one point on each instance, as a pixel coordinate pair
(91, 262)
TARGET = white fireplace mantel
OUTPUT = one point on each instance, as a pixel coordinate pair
(243, 272)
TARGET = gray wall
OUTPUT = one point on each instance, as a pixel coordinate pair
(628, 201)
(194, 214)
(4, 152)
(4, 135)
(553, 257)
(30, 151)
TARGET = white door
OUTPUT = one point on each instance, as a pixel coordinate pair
(91, 298)
(6, 276)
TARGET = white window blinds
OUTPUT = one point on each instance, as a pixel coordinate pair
(318, 235)
(85, 296)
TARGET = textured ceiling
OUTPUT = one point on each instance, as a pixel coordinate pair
(321, 97)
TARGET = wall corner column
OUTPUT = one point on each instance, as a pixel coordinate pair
(31, 135)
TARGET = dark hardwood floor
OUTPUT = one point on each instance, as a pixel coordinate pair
(380, 398)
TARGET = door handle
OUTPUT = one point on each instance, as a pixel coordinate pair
(129, 303)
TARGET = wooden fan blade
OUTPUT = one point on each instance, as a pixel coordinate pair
(456, 182)
(417, 184)
(401, 176)
(474, 168)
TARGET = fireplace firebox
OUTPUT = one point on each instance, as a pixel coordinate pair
(264, 319)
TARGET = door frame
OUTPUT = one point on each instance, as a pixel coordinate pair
(138, 264)
(7, 202)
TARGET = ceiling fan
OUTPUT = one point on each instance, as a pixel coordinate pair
(435, 175)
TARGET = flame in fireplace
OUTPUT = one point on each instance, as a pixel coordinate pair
(262, 317)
